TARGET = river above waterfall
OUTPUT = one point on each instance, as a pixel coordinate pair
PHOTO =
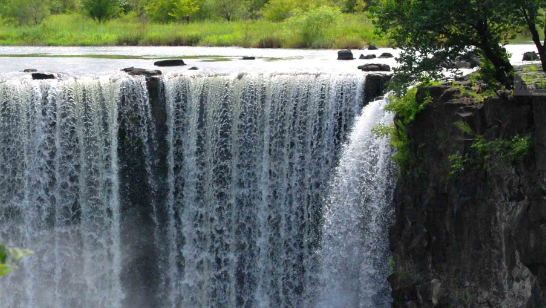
(100, 61)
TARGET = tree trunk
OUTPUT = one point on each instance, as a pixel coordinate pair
(495, 53)
(536, 39)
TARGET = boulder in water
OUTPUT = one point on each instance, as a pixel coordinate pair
(249, 58)
(372, 47)
(530, 56)
(386, 55)
(193, 68)
(133, 71)
(42, 76)
(367, 57)
(172, 62)
(375, 67)
(345, 54)
(30, 70)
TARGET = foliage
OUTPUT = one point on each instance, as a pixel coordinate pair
(24, 12)
(101, 10)
(184, 9)
(9, 257)
(310, 26)
(279, 10)
(405, 108)
(488, 154)
(61, 6)
(78, 30)
(531, 68)
(433, 32)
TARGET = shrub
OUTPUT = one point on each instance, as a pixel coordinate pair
(311, 25)
(279, 10)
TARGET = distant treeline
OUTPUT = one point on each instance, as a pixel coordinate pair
(33, 12)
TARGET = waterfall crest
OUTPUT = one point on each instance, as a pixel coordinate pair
(177, 192)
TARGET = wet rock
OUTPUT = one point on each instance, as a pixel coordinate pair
(375, 67)
(193, 68)
(372, 47)
(42, 76)
(133, 71)
(249, 58)
(345, 54)
(367, 57)
(30, 70)
(386, 55)
(172, 62)
(530, 56)
(374, 85)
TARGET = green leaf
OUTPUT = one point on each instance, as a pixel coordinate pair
(17, 253)
(3, 254)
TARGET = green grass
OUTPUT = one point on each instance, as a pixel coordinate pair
(350, 31)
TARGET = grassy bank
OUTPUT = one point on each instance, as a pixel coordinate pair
(349, 31)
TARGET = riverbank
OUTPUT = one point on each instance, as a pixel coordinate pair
(349, 31)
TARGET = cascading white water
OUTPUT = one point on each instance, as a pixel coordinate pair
(357, 214)
(59, 192)
(235, 218)
(249, 160)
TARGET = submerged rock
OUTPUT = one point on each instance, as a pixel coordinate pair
(375, 67)
(133, 71)
(42, 76)
(345, 54)
(172, 62)
(386, 55)
(249, 58)
(367, 57)
(193, 68)
(29, 70)
(530, 56)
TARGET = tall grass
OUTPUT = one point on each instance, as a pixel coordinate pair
(349, 30)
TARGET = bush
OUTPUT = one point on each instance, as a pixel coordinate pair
(279, 10)
(311, 25)
(101, 10)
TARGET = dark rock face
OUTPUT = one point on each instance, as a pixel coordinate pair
(375, 67)
(477, 239)
(530, 56)
(367, 57)
(42, 76)
(372, 47)
(249, 58)
(173, 62)
(140, 275)
(30, 70)
(345, 54)
(386, 55)
(374, 85)
(133, 71)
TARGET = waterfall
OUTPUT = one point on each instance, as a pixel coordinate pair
(357, 214)
(185, 191)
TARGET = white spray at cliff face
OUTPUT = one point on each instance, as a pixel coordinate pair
(249, 159)
(357, 215)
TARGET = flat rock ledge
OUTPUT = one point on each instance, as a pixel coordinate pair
(43, 76)
(374, 67)
(345, 54)
(171, 62)
(133, 71)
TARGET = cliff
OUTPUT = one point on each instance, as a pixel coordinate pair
(470, 225)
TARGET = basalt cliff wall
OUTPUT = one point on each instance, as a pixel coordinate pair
(470, 225)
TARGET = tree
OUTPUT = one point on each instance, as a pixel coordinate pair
(184, 9)
(431, 32)
(528, 13)
(101, 10)
(62, 6)
(228, 9)
(279, 10)
(24, 12)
